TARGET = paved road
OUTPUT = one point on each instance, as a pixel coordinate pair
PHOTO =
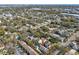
(28, 48)
(41, 25)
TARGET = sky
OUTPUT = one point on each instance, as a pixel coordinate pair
(39, 1)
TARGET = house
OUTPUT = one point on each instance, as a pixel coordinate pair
(42, 41)
(31, 37)
(7, 14)
(58, 37)
(43, 49)
(62, 33)
(74, 45)
(47, 44)
(38, 49)
(0, 21)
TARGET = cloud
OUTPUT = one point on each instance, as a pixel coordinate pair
(39, 1)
